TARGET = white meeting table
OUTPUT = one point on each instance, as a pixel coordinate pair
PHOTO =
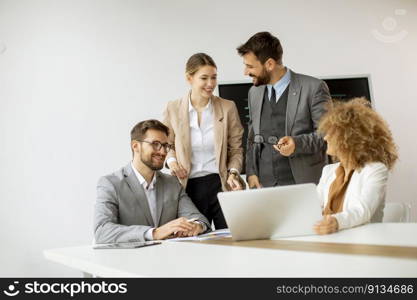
(372, 250)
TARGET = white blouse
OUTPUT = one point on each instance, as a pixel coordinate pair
(203, 157)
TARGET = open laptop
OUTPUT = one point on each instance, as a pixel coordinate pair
(271, 213)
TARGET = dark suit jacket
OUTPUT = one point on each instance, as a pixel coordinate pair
(306, 104)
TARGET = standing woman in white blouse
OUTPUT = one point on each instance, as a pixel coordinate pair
(352, 191)
(207, 135)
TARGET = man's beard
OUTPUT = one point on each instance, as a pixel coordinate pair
(150, 164)
(263, 78)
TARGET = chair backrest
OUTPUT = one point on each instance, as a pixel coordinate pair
(395, 212)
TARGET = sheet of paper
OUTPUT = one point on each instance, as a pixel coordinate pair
(217, 234)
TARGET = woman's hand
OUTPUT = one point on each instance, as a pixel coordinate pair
(327, 225)
(233, 182)
(177, 170)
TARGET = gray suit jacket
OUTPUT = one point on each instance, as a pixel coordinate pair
(122, 211)
(306, 100)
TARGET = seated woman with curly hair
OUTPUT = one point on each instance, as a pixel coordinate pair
(352, 191)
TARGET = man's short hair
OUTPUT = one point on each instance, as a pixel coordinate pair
(264, 45)
(138, 132)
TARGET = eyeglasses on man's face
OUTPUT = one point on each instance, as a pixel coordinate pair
(157, 146)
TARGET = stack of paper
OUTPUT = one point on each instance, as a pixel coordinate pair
(213, 235)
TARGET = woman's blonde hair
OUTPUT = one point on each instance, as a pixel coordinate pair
(359, 134)
(198, 60)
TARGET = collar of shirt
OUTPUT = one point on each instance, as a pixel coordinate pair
(142, 180)
(280, 85)
(191, 107)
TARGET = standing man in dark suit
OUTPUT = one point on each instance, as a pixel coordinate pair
(283, 146)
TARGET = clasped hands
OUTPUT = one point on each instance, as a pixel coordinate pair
(180, 227)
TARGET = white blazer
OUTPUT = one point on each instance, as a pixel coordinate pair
(365, 195)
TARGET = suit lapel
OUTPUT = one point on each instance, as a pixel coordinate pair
(138, 192)
(256, 105)
(217, 127)
(184, 129)
(294, 92)
(160, 196)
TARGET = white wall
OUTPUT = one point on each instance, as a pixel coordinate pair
(77, 75)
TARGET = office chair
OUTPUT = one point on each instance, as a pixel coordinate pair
(395, 212)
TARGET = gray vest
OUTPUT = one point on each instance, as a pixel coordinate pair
(274, 168)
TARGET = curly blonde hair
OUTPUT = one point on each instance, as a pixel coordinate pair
(360, 135)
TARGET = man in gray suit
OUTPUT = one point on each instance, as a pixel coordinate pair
(139, 203)
(284, 108)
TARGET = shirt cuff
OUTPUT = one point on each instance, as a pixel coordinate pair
(202, 225)
(149, 234)
(169, 160)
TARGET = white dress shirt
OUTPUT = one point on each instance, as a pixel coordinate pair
(203, 157)
(150, 193)
(279, 86)
(365, 195)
